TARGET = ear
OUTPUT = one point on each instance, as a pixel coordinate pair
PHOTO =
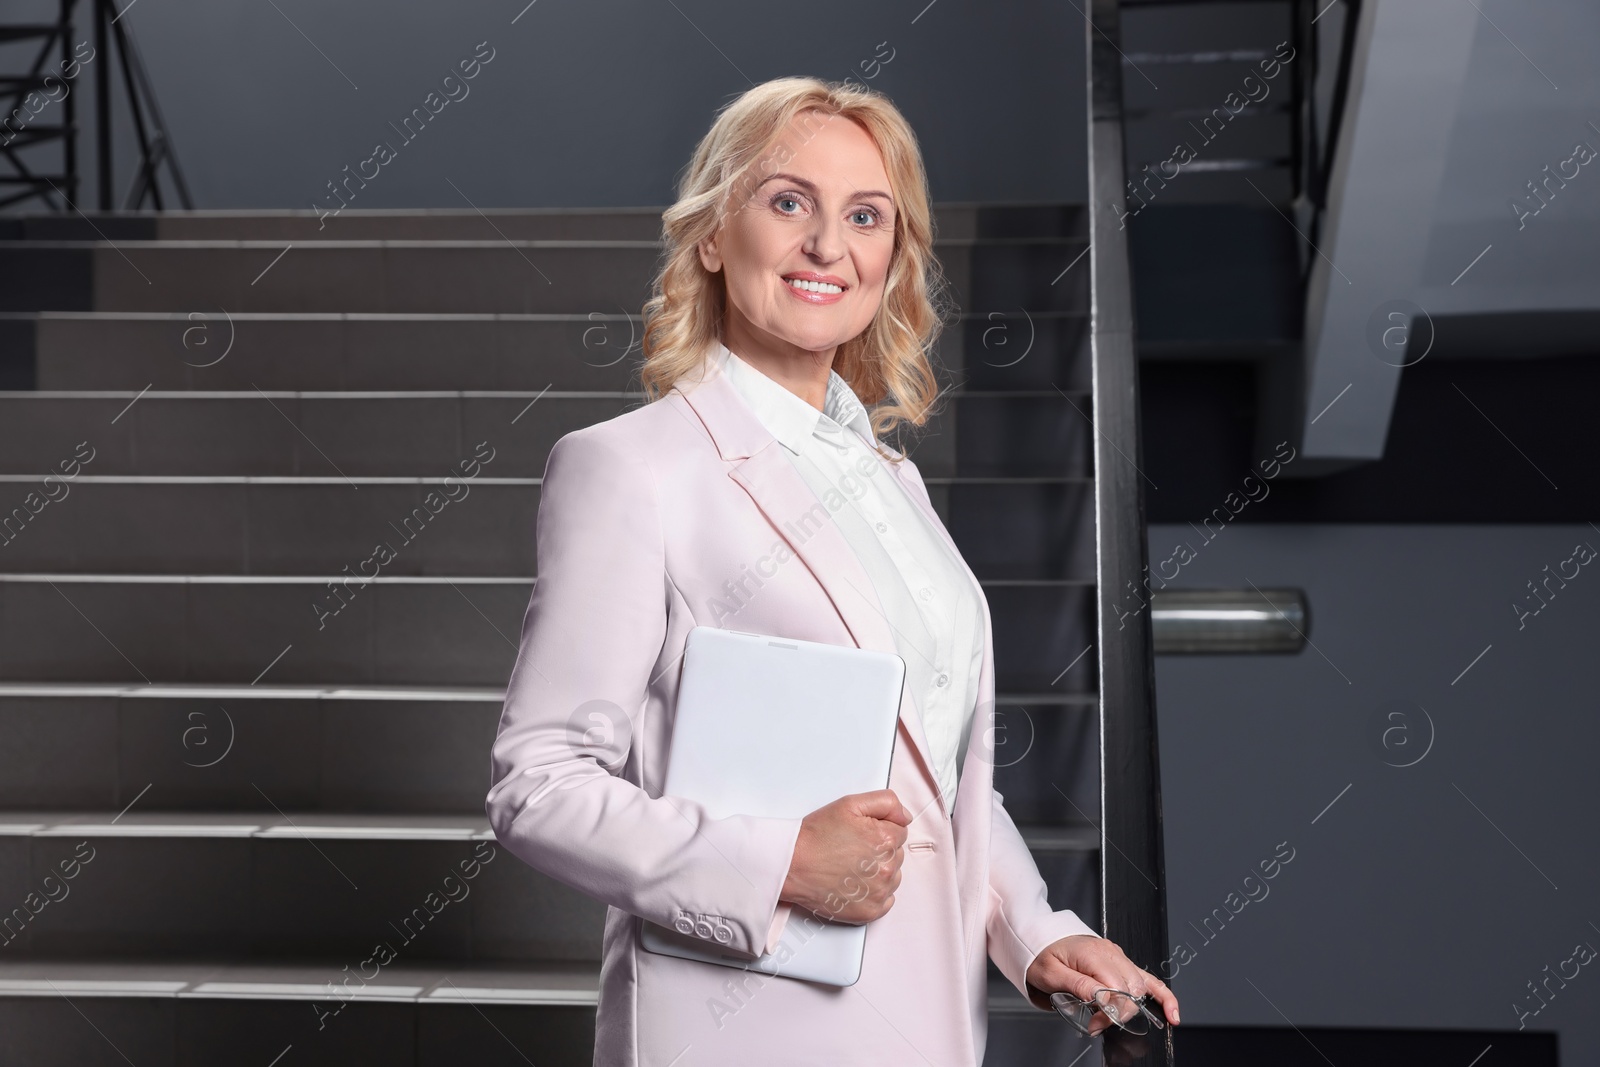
(710, 253)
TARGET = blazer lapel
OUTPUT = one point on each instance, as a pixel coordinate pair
(974, 811)
(762, 469)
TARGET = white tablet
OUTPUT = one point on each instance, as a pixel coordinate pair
(776, 727)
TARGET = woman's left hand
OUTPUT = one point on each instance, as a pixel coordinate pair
(1083, 963)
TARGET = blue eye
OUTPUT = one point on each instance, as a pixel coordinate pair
(867, 218)
(782, 200)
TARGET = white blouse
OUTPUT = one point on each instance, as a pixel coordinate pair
(927, 597)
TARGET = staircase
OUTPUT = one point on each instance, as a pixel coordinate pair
(267, 500)
(1218, 266)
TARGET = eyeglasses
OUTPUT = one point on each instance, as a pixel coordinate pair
(1122, 1008)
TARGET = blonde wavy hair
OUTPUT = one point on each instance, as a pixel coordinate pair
(887, 364)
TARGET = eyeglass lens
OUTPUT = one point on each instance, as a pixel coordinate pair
(1124, 1010)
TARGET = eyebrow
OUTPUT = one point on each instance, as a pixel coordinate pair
(810, 187)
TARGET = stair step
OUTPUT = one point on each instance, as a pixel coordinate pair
(309, 826)
(466, 982)
(424, 983)
(180, 1031)
(242, 580)
(265, 525)
(453, 632)
(217, 278)
(282, 479)
(994, 434)
(267, 885)
(360, 826)
(285, 350)
(378, 694)
(225, 884)
(220, 278)
(75, 746)
(401, 630)
(952, 221)
(365, 693)
(275, 1014)
(593, 350)
(355, 224)
(322, 525)
(285, 433)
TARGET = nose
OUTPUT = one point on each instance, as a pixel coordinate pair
(825, 241)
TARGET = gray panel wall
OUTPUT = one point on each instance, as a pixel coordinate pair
(590, 104)
(1425, 895)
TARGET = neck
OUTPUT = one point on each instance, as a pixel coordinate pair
(804, 373)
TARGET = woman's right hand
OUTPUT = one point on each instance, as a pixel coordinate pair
(847, 858)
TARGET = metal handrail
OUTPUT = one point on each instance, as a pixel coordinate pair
(1229, 621)
(1132, 867)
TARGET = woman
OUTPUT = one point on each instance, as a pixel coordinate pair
(752, 494)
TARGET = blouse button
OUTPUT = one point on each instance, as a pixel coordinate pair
(883, 527)
(927, 593)
(943, 679)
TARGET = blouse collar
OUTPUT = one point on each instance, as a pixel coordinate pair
(790, 419)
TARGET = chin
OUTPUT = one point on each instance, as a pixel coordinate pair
(815, 339)
(815, 343)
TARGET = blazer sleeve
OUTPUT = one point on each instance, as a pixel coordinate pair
(593, 634)
(1021, 924)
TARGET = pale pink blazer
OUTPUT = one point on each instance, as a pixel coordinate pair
(647, 521)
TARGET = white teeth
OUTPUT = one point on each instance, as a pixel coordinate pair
(814, 287)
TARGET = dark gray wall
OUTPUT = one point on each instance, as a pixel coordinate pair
(597, 103)
(1425, 895)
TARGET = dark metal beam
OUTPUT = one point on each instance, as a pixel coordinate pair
(1132, 870)
(102, 104)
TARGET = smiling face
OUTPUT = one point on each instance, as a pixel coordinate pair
(804, 258)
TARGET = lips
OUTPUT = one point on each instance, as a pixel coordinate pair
(816, 288)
